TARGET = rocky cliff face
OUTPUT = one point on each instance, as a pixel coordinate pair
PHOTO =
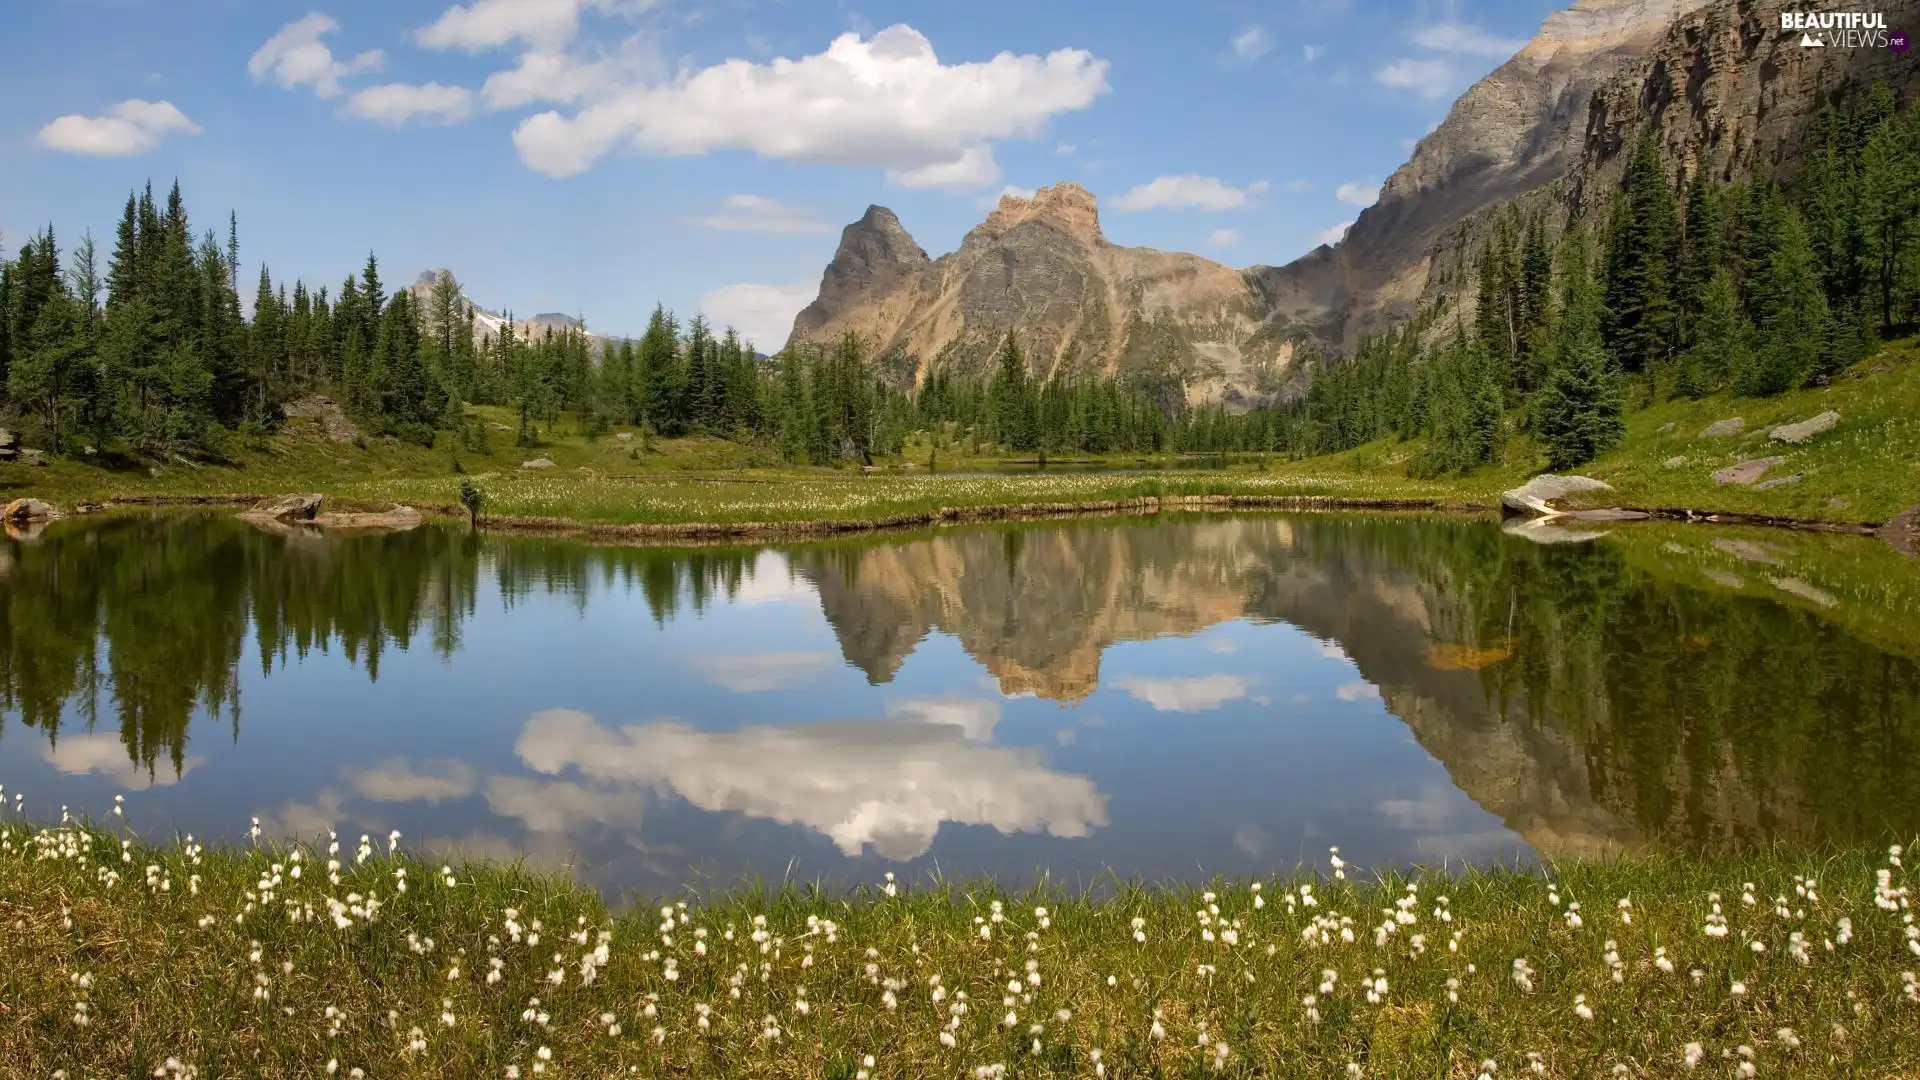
(1041, 269)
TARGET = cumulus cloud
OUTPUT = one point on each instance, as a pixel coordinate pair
(297, 57)
(974, 718)
(1332, 234)
(748, 673)
(762, 313)
(559, 77)
(1427, 78)
(1464, 40)
(1223, 238)
(1313, 52)
(131, 127)
(885, 101)
(100, 754)
(773, 582)
(757, 213)
(1064, 148)
(1357, 691)
(1197, 694)
(398, 781)
(487, 24)
(886, 783)
(395, 104)
(1189, 192)
(1252, 43)
(1357, 194)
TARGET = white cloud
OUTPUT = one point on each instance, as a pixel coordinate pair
(1329, 648)
(100, 754)
(297, 57)
(131, 127)
(1009, 192)
(560, 77)
(1357, 691)
(1252, 43)
(974, 168)
(1332, 234)
(1064, 148)
(757, 213)
(1196, 694)
(1427, 78)
(747, 673)
(1224, 646)
(486, 24)
(773, 582)
(397, 781)
(1357, 194)
(1188, 191)
(762, 313)
(974, 718)
(890, 783)
(1313, 52)
(883, 101)
(1464, 40)
(1298, 186)
(1223, 238)
(396, 103)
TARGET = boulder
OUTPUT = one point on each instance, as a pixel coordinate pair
(31, 457)
(1537, 495)
(1678, 461)
(502, 427)
(1747, 471)
(1903, 531)
(285, 508)
(1667, 428)
(537, 463)
(624, 436)
(8, 440)
(29, 510)
(1778, 482)
(1720, 429)
(1805, 430)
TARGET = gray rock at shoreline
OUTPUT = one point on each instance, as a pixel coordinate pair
(1805, 430)
(29, 510)
(1903, 531)
(303, 507)
(1537, 495)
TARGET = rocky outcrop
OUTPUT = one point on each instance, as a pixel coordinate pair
(22, 510)
(1538, 495)
(1804, 431)
(1746, 472)
(399, 518)
(1903, 532)
(285, 509)
(1041, 269)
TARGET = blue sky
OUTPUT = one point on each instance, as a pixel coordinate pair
(597, 156)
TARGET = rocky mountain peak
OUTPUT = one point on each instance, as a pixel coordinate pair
(876, 256)
(1067, 206)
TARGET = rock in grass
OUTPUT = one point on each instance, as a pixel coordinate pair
(1720, 429)
(1537, 495)
(538, 463)
(285, 508)
(1778, 482)
(1805, 430)
(1678, 461)
(1747, 471)
(1903, 531)
(29, 510)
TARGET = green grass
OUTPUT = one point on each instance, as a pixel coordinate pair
(252, 962)
(1865, 470)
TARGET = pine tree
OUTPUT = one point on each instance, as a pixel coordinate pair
(1642, 239)
(1793, 316)
(1702, 250)
(1724, 347)
(1580, 408)
(1012, 395)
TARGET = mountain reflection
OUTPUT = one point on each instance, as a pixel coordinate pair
(1655, 687)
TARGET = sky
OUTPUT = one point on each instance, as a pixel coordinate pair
(596, 157)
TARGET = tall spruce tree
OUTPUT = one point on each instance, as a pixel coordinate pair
(1642, 240)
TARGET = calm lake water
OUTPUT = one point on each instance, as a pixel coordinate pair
(1164, 698)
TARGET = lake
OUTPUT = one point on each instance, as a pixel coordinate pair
(1162, 698)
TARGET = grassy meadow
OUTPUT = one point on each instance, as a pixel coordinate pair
(358, 958)
(1865, 470)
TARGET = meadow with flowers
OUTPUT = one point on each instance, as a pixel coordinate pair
(356, 957)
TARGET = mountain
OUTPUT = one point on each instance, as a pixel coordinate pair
(1718, 82)
(1041, 267)
(487, 323)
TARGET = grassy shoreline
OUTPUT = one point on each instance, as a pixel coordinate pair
(271, 961)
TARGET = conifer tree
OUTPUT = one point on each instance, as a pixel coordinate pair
(1793, 316)
(1642, 239)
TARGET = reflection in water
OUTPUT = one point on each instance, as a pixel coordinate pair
(1441, 689)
